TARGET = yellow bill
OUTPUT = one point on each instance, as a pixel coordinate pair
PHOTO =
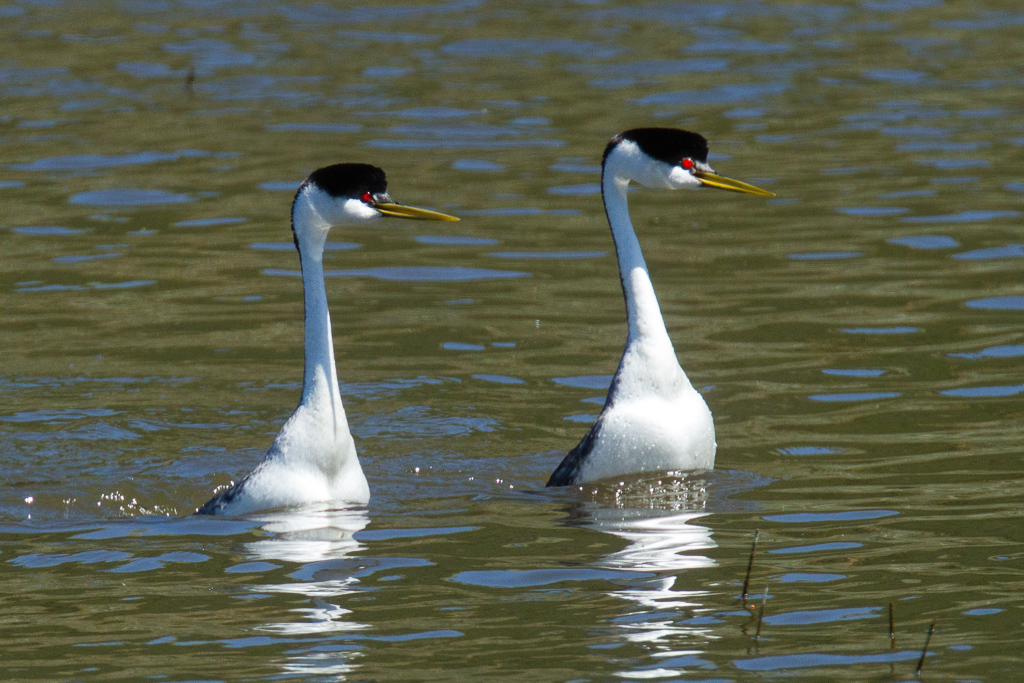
(403, 211)
(723, 183)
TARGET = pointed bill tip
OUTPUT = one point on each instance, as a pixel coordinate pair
(723, 183)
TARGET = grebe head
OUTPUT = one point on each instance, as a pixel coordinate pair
(667, 158)
(343, 194)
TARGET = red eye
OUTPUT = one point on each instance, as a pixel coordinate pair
(687, 164)
(368, 198)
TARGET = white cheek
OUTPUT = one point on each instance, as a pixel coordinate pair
(355, 210)
(679, 178)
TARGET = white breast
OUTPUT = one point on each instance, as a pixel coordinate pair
(651, 434)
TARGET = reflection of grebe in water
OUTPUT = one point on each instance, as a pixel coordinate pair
(311, 533)
(321, 541)
(657, 519)
(658, 541)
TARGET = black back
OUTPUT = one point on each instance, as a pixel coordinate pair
(670, 145)
(222, 499)
(568, 471)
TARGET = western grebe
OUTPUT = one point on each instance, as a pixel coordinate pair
(313, 458)
(653, 418)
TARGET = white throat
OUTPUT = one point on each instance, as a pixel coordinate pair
(320, 374)
(649, 360)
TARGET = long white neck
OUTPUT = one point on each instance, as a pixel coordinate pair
(642, 311)
(649, 365)
(320, 375)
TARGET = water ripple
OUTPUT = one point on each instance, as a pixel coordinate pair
(529, 47)
(418, 422)
(499, 379)
(414, 273)
(438, 113)
(810, 517)
(1009, 251)
(128, 198)
(548, 254)
(461, 144)
(809, 450)
(718, 95)
(456, 240)
(79, 258)
(378, 15)
(826, 616)
(900, 76)
(45, 230)
(316, 127)
(1008, 351)
(462, 346)
(390, 534)
(652, 67)
(926, 242)
(899, 329)
(211, 53)
(736, 47)
(585, 381)
(855, 396)
(528, 578)
(872, 210)
(817, 547)
(782, 662)
(478, 165)
(865, 372)
(582, 189)
(87, 162)
(825, 256)
(962, 217)
(985, 392)
(208, 222)
(998, 303)
(387, 37)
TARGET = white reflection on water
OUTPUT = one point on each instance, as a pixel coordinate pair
(317, 537)
(309, 534)
(664, 543)
(321, 619)
(658, 521)
(656, 517)
(334, 664)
